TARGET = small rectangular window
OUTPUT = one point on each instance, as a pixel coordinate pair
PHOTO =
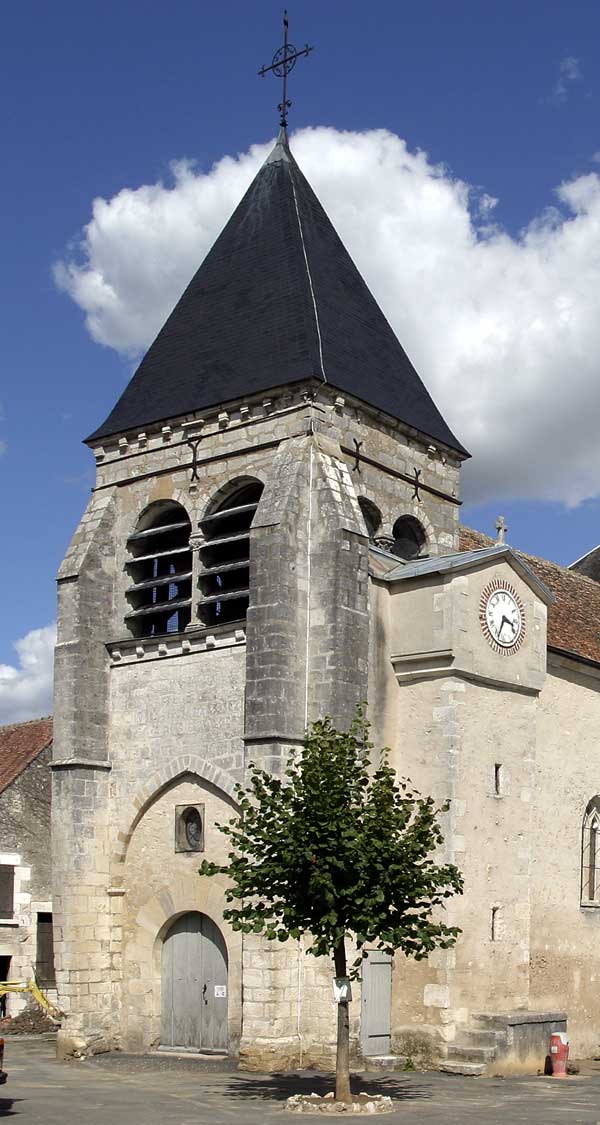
(497, 780)
(44, 961)
(494, 923)
(7, 890)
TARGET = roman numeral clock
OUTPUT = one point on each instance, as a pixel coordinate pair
(502, 617)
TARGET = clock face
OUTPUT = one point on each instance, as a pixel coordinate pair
(502, 617)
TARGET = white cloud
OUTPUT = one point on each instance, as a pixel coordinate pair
(596, 157)
(26, 690)
(486, 204)
(504, 330)
(569, 71)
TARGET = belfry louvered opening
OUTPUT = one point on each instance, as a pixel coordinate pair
(225, 557)
(160, 569)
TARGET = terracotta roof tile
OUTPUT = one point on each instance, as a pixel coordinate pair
(20, 744)
(574, 621)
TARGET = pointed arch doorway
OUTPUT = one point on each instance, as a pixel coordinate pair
(194, 985)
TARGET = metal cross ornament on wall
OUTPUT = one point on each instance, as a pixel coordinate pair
(284, 60)
(356, 465)
(193, 444)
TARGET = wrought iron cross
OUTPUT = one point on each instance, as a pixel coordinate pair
(284, 60)
(193, 444)
(416, 483)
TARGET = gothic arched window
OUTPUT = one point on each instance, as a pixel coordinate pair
(160, 569)
(371, 516)
(409, 538)
(590, 854)
(225, 555)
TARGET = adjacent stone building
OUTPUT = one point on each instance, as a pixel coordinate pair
(273, 535)
(25, 858)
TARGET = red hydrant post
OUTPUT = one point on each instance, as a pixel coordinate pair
(558, 1050)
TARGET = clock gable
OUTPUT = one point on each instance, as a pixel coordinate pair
(494, 604)
(481, 615)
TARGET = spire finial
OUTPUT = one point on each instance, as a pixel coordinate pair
(284, 60)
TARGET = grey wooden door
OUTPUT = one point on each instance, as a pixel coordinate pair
(375, 1024)
(194, 985)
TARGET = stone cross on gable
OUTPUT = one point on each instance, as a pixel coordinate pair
(501, 527)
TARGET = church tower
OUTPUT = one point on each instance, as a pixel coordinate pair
(274, 449)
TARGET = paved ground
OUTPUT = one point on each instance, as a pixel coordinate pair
(117, 1090)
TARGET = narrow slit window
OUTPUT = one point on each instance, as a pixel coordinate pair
(592, 862)
(498, 780)
(44, 962)
(494, 923)
(7, 890)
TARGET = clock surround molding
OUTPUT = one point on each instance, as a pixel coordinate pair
(491, 588)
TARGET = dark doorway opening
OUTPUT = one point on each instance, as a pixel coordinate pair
(4, 975)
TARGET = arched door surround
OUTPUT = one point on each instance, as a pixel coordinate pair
(194, 985)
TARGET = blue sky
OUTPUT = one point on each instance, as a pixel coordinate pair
(98, 97)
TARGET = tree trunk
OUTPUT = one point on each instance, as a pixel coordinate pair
(342, 1062)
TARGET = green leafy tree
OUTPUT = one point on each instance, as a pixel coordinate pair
(336, 850)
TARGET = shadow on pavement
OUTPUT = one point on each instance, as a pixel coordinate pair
(6, 1107)
(278, 1087)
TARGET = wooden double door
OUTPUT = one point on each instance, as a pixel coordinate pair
(194, 985)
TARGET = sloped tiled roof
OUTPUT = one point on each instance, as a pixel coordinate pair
(277, 300)
(20, 745)
(574, 619)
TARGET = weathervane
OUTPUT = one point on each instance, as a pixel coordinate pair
(284, 60)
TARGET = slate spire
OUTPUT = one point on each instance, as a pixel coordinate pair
(276, 301)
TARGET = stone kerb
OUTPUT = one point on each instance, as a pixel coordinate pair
(186, 764)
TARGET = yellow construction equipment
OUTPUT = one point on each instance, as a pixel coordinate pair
(35, 991)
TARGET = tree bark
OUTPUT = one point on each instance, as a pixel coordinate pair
(342, 1062)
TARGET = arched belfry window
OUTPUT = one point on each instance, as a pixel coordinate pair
(590, 854)
(160, 569)
(371, 516)
(409, 538)
(225, 556)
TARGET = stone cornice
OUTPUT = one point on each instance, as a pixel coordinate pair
(140, 650)
(81, 764)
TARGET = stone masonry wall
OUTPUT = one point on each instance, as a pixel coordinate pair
(132, 714)
(565, 941)
(25, 844)
(463, 729)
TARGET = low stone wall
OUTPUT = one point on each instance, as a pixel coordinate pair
(522, 1037)
(529, 1034)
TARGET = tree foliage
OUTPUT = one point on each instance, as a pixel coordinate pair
(335, 849)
